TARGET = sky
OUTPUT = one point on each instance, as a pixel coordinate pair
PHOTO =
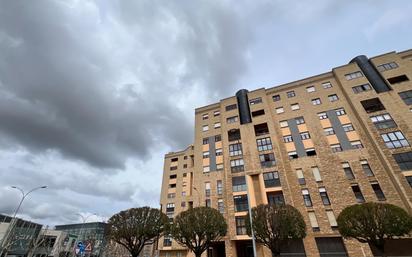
(93, 94)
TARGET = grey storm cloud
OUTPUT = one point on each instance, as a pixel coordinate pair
(66, 85)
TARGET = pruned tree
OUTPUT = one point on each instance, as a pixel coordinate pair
(136, 227)
(274, 226)
(373, 223)
(197, 228)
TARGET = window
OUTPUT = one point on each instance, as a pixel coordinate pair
(237, 165)
(313, 221)
(328, 131)
(216, 113)
(287, 139)
(348, 171)
(322, 115)
(306, 198)
(404, 160)
(310, 152)
(383, 121)
(316, 174)
(219, 152)
(219, 166)
(218, 138)
(183, 204)
(238, 184)
(205, 116)
(184, 193)
(340, 112)
(231, 107)
(257, 100)
(348, 127)
(279, 110)
(358, 194)
(353, 75)
(173, 168)
(372, 105)
(208, 203)
(316, 101)
(275, 198)
(406, 97)
(301, 178)
(235, 149)
(217, 125)
(310, 89)
(294, 107)
(333, 98)
(299, 120)
(233, 134)
(205, 128)
(167, 241)
(304, 135)
(185, 157)
(220, 206)
(332, 219)
(357, 144)
(398, 79)
(324, 196)
(170, 207)
(292, 155)
(174, 159)
(387, 66)
(378, 191)
(206, 169)
(171, 195)
(205, 141)
(271, 179)
(283, 124)
(366, 168)
(241, 226)
(361, 88)
(267, 160)
(336, 148)
(264, 144)
(409, 180)
(258, 113)
(207, 189)
(291, 94)
(184, 166)
(395, 139)
(331, 246)
(326, 85)
(276, 98)
(219, 187)
(173, 176)
(205, 154)
(232, 119)
(240, 203)
(261, 129)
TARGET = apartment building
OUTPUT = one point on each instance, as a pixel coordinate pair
(320, 144)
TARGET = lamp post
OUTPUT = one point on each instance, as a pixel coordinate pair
(13, 220)
(84, 219)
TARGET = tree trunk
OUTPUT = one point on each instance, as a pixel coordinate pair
(198, 254)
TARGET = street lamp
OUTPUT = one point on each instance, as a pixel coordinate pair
(84, 219)
(13, 221)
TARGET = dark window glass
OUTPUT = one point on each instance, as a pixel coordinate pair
(173, 176)
(271, 179)
(324, 196)
(238, 184)
(205, 141)
(233, 134)
(218, 138)
(257, 100)
(306, 198)
(235, 149)
(383, 121)
(261, 129)
(231, 107)
(276, 98)
(378, 191)
(409, 180)
(276, 198)
(237, 165)
(372, 105)
(331, 247)
(398, 79)
(267, 160)
(367, 169)
(358, 194)
(361, 88)
(395, 140)
(348, 171)
(404, 160)
(240, 203)
(291, 94)
(258, 113)
(406, 97)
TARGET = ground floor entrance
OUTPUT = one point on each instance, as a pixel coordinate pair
(217, 249)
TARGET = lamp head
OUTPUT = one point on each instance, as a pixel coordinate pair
(44, 187)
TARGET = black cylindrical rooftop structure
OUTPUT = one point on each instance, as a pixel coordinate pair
(243, 106)
(372, 74)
